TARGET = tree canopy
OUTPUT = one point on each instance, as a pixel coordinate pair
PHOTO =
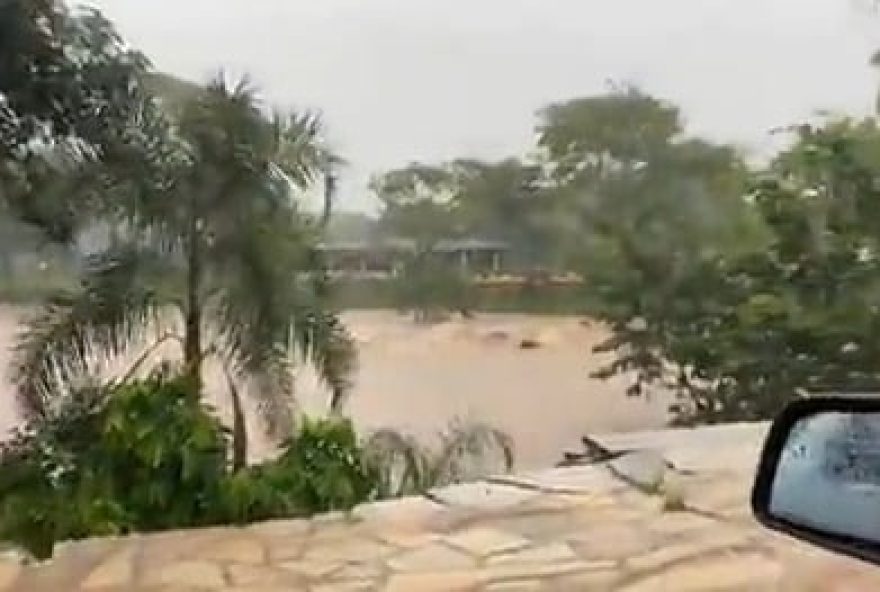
(69, 91)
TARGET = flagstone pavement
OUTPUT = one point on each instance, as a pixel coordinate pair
(579, 528)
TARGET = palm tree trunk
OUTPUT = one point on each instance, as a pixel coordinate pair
(239, 429)
(192, 345)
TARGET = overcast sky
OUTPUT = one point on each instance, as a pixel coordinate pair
(404, 80)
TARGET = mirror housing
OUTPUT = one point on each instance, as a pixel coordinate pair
(818, 478)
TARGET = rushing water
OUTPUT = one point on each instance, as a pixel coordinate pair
(419, 378)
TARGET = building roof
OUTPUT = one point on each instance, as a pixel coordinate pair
(400, 244)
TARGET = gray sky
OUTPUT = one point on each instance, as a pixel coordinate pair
(404, 80)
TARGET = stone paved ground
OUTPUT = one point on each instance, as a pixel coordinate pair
(582, 528)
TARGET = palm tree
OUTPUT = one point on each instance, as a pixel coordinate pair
(216, 257)
(464, 451)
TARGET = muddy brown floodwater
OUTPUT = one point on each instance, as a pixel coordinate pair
(419, 378)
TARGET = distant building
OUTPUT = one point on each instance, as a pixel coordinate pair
(384, 258)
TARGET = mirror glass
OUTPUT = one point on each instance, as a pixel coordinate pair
(828, 476)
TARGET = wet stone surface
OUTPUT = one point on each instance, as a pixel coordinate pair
(545, 531)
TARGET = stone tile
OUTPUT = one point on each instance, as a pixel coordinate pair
(312, 569)
(195, 573)
(433, 558)
(550, 553)
(406, 540)
(261, 576)
(483, 495)
(355, 549)
(694, 449)
(829, 576)
(598, 580)
(87, 549)
(281, 549)
(719, 493)
(238, 546)
(283, 588)
(334, 517)
(482, 542)
(164, 547)
(644, 468)
(612, 541)
(335, 532)
(410, 514)
(590, 479)
(359, 571)
(687, 549)
(282, 528)
(443, 581)
(541, 526)
(116, 570)
(527, 586)
(352, 586)
(729, 572)
(523, 571)
(9, 572)
(672, 524)
(230, 589)
(558, 502)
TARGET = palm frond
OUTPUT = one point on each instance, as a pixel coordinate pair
(270, 308)
(64, 343)
(323, 340)
(300, 151)
(254, 353)
(402, 461)
(470, 450)
(466, 451)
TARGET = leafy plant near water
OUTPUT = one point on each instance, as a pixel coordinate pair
(146, 458)
(150, 456)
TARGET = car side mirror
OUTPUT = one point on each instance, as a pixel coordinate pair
(819, 475)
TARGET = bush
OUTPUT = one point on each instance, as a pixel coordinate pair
(149, 456)
(322, 468)
(146, 457)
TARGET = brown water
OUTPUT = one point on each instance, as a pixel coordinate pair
(419, 378)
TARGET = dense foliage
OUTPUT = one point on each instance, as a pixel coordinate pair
(70, 91)
(149, 456)
(790, 309)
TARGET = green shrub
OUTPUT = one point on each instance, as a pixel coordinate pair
(146, 456)
(323, 467)
(149, 456)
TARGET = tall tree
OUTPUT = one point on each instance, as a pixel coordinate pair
(738, 329)
(215, 253)
(417, 203)
(68, 87)
(505, 201)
